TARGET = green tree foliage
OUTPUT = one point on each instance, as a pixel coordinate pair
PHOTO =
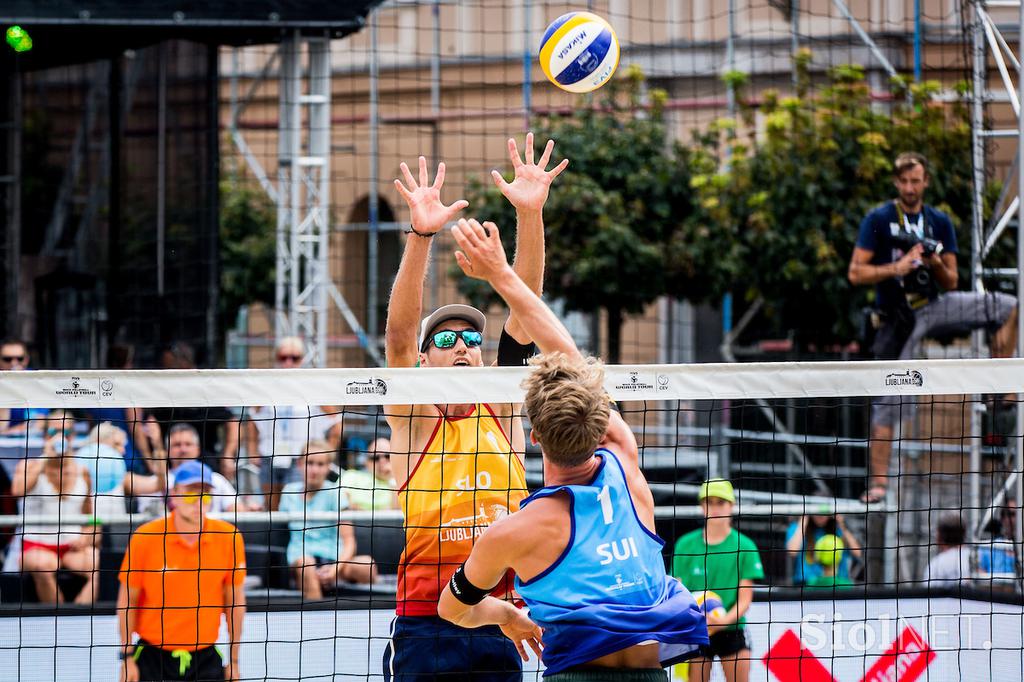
(766, 205)
(247, 249)
(797, 189)
(616, 220)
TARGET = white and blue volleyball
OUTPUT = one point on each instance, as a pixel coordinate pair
(579, 52)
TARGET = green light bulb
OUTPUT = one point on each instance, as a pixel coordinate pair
(19, 39)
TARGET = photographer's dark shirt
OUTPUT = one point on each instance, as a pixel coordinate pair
(876, 235)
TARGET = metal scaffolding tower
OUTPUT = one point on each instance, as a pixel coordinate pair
(988, 42)
(304, 288)
(303, 196)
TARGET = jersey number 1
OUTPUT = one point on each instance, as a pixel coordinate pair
(604, 497)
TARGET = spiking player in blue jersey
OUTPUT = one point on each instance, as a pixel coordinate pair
(587, 560)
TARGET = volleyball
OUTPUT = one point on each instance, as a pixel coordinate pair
(579, 52)
(710, 603)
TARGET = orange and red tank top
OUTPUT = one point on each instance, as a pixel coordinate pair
(467, 478)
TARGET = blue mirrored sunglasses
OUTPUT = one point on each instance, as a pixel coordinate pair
(446, 338)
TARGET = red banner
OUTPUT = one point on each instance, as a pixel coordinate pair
(790, 661)
(905, 660)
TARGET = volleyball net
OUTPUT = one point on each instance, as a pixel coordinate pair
(925, 585)
(741, 97)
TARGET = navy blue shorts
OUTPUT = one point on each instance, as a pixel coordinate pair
(426, 648)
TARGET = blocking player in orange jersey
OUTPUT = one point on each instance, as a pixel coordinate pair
(458, 468)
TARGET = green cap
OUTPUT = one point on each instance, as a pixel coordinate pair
(828, 550)
(716, 487)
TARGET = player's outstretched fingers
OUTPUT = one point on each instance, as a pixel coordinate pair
(402, 190)
(463, 263)
(424, 178)
(513, 153)
(409, 181)
(535, 644)
(557, 170)
(546, 156)
(470, 238)
(478, 231)
(528, 152)
(439, 178)
(485, 231)
(499, 180)
(463, 234)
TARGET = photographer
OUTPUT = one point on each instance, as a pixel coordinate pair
(908, 251)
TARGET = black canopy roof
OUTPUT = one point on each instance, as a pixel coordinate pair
(72, 31)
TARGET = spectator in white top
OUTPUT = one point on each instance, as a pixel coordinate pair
(183, 446)
(952, 564)
(279, 434)
(55, 485)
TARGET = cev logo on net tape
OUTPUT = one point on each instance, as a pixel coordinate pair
(634, 382)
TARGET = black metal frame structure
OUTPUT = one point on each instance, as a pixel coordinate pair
(118, 52)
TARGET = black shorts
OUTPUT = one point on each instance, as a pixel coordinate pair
(156, 664)
(728, 643)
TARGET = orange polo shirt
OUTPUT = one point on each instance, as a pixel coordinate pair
(181, 585)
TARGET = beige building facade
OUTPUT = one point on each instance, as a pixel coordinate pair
(451, 86)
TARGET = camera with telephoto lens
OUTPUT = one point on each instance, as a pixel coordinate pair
(921, 280)
(906, 240)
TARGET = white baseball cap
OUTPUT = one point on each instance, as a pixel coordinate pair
(455, 311)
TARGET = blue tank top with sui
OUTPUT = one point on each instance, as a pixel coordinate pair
(608, 590)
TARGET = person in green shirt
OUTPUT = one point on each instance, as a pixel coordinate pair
(721, 559)
(372, 487)
(828, 551)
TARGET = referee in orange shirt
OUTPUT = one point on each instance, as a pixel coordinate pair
(179, 575)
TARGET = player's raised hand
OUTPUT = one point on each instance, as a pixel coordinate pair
(482, 255)
(529, 189)
(428, 213)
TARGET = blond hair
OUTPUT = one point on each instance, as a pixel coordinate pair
(106, 433)
(316, 447)
(567, 406)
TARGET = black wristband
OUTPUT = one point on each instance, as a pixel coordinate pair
(465, 591)
(511, 353)
(413, 230)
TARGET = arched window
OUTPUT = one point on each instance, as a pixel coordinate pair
(355, 273)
